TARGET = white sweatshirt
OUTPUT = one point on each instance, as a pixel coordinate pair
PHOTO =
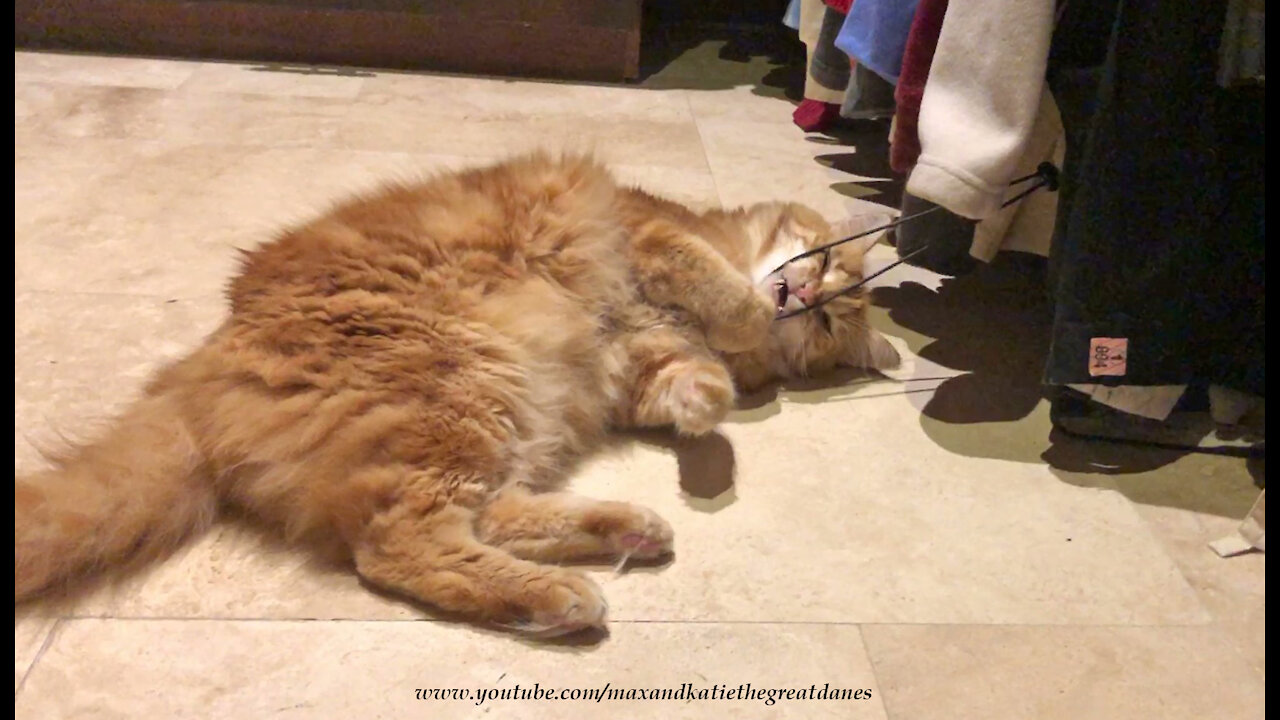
(980, 102)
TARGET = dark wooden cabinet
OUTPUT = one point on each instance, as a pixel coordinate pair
(570, 39)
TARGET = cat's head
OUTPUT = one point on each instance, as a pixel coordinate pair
(834, 335)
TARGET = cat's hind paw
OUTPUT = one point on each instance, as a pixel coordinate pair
(565, 603)
(641, 534)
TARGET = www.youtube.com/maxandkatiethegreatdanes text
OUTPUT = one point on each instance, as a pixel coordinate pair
(686, 692)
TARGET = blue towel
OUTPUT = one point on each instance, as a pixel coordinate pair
(875, 34)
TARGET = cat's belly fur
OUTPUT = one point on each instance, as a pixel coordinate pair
(572, 362)
(311, 406)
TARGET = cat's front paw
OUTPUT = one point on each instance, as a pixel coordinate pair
(700, 396)
(745, 325)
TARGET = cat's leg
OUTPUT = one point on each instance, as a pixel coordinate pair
(676, 383)
(677, 268)
(433, 555)
(561, 526)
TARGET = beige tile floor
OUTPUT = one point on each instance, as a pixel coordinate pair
(833, 536)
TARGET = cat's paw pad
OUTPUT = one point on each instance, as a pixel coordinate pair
(701, 396)
(644, 535)
(569, 602)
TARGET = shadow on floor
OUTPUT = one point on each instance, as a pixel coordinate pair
(1257, 471)
(771, 59)
(994, 325)
(724, 56)
(1222, 486)
(707, 466)
(868, 163)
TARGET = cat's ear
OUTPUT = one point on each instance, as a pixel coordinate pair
(858, 224)
(875, 352)
(884, 356)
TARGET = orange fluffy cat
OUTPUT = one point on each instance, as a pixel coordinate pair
(409, 375)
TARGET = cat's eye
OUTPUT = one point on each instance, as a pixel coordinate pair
(824, 319)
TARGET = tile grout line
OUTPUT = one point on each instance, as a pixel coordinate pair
(1148, 530)
(702, 142)
(48, 640)
(163, 297)
(1216, 622)
(875, 677)
(823, 623)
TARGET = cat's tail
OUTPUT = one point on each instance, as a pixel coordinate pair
(133, 494)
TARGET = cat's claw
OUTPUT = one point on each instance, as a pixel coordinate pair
(621, 565)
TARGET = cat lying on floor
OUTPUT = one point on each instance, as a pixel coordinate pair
(408, 376)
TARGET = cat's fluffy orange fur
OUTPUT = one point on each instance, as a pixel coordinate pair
(409, 375)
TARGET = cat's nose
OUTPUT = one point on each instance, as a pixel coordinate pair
(807, 293)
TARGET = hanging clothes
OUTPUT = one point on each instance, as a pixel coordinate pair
(875, 34)
(1027, 225)
(981, 100)
(827, 71)
(973, 113)
(939, 241)
(922, 41)
(812, 16)
(1158, 256)
(1242, 52)
(868, 97)
(828, 66)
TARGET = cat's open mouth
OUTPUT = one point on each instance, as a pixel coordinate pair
(781, 293)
